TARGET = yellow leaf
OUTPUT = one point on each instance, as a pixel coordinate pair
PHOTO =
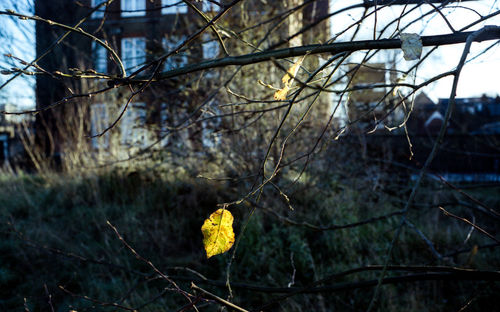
(292, 72)
(218, 235)
(280, 95)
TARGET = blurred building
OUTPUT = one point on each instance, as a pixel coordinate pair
(471, 116)
(7, 132)
(11, 127)
(372, 104)
(366, 100)
(479, 115)
(469, 151)
(139, 31)
(425, 119)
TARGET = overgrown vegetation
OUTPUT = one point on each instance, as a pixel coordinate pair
(129, 157)
(56, 242)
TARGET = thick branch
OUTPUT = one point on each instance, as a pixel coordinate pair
(384, 44)
(420, 273)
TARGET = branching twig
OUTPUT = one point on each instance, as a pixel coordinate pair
(149, 263)
(449, 214)
(218, 299)
(469, 40)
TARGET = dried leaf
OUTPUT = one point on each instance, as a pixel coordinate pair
(218, 235)
(411, 44)
(280, 95)
(292, 72)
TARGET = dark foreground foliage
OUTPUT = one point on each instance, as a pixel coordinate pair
(56, 246)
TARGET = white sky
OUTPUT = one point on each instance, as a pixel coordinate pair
(478, 77)
(19, 92)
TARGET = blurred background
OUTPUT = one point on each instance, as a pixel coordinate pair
(359, 181)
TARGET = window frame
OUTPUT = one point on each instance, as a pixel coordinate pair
(136, 8)
(137, 54)
(98, 58)
(133, 125)
(174, 7)
(208, 6)
(97, 14)
(210, 48)
(176, 60)
(99, 119)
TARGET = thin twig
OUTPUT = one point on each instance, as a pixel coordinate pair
(469, 40)
(218, 299)
(425, 239)
(149, 263)
(49, 297)
(449, 214)
(101, 303)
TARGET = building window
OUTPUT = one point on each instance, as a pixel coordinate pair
(165, 120)
(210, 47)
(176, 60)
(133, 8)
(98, 122)
(209, 6)
(133, 131)
(100, 57)
(100, 12)
(173, 7)
(133, 53)
(4, 148)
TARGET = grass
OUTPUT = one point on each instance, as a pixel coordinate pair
(54, 234)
